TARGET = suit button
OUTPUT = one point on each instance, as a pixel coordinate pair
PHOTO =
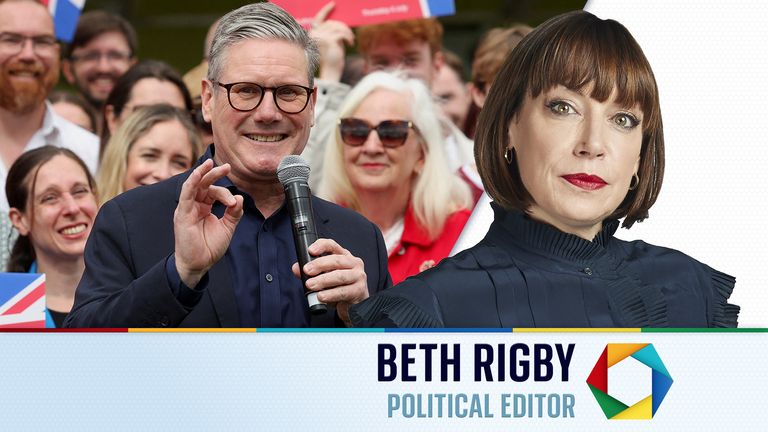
(588, 271)
(268, 277)
(164, 322)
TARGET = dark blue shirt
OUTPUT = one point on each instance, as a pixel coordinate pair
(261, 255)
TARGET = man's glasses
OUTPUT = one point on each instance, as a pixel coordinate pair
(392, 133)
(13, 43)
(94, 57)
(245, 96)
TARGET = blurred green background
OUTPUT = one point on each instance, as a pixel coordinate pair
(174, 30)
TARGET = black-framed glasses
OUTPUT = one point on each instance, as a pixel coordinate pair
(392, 133)
(13, 43)
(93, 57)
(246, 96)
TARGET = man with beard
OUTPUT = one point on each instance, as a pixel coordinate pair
(29, 68)
(102, 50)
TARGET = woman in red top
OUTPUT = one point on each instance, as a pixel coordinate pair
(386, 160)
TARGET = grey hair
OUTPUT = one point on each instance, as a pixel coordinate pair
(265, 21)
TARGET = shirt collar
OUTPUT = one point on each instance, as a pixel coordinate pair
(225, 182)
(413, 232)
(549, 239)
(50, 125)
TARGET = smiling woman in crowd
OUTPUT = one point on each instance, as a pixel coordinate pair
(569, 141)
(386, 161)
(154, 143)
(53, 203)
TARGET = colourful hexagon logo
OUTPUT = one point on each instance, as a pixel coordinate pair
(613, 408)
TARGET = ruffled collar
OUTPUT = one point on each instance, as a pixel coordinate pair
(550, 240)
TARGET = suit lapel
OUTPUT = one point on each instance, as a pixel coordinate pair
(322, 220)
(222, 294)
(220, 288)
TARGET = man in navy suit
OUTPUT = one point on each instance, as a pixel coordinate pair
(213, 247)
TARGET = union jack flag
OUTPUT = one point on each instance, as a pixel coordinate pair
(65, 14)
(22, 300)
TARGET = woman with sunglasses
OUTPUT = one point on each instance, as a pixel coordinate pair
(386, 162)
(569, 141)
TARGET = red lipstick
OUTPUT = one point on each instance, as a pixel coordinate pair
(585, 181)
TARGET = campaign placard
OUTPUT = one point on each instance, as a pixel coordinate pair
(357, 13)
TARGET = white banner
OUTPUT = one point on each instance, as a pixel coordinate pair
(332, 381)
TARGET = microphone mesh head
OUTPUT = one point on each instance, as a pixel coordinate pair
(292, 168)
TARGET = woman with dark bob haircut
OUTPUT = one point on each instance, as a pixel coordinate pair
(569, 140)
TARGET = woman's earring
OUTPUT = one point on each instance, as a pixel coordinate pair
(635, 182)
(508, 156)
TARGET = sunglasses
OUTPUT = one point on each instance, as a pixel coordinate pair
(392, 133)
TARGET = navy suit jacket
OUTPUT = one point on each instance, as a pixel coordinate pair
(125, 282)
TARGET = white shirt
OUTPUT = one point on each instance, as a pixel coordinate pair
(58, 132)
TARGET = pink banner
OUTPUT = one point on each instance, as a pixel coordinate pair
(356, 13)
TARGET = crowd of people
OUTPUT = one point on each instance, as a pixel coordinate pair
(192, 226)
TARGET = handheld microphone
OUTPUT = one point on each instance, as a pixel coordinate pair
(293, 173)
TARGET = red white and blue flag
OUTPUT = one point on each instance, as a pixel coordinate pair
(65, 14)
(22, 300)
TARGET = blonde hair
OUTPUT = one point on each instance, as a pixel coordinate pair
(437, 192)
(111, 175)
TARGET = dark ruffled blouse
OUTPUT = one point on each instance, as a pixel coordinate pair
(529, 274)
